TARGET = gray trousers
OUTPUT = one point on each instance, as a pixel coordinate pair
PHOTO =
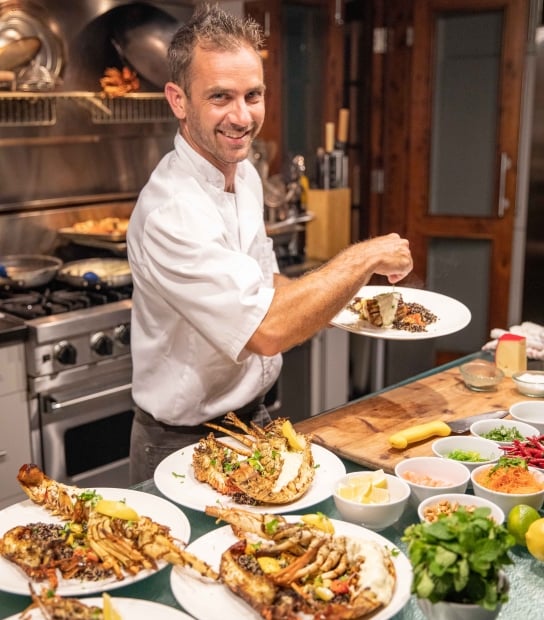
(152, 441)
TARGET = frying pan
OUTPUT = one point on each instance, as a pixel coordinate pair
(28, 270)
(143, 42)
(18, 52)
(96, 273)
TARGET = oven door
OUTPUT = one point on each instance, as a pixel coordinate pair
(85, 435)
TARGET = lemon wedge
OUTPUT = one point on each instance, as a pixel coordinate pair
(319, 521)
(367, 488)
(377, 496)
(296, 441)
(268, 564)
(116, 509)
(378, 479)
(355, 491)
(108, 610)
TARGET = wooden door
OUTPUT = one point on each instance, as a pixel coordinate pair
(462, 162)
(450, 78)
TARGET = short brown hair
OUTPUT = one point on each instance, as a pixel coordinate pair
(214, 29)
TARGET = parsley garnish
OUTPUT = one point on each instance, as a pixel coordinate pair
(458, 558)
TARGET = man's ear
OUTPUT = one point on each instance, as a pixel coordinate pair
(176, 99)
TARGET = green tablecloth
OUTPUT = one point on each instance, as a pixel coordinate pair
(526, 575)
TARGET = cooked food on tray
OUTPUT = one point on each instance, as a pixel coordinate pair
(273, 465)
(118, 82)
(389, 310)
(104, 226)
(99, 538)
(287, 569)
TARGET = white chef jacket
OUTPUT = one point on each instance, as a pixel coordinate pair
(202, 268)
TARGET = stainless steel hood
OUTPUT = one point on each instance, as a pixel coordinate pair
(68, 145)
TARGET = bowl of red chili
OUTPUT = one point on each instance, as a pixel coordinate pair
(531, 450)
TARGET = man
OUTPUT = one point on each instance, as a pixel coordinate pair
(210, 312)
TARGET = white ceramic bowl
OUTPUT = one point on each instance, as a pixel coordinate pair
(488, 450)
(482, 427)
(530, 412)
(453, 476)
(373, 516)
(461, 499)
(506, 501)
(530, 382)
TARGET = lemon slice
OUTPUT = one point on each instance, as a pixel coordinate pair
(355, 491)
(378, 496)
(268, 564)
(319, 521)
(116, 509)
(296, 441)
(378, 479)
(108, 611)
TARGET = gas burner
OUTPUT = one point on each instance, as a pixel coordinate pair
(71, 300)
(25, 306)
(57, 298)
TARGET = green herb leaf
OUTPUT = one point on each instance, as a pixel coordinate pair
(458, 558)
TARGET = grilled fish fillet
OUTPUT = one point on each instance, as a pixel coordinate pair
(383, 309)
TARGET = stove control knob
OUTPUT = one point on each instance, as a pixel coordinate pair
(101, 344)
(65, 353)
(122, 334)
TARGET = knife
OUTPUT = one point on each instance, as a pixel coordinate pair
(420, 432)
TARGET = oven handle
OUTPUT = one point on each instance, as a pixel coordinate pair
(56, 406)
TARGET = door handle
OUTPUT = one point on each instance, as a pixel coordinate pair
(504, 202)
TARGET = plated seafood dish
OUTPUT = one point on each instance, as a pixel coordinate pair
(389, 310)
(402, 313)
(75, 540)
(48, 606)
(302, 566)
(271, 465)
(254, 468)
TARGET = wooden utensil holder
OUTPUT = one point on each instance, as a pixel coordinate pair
(330, 231)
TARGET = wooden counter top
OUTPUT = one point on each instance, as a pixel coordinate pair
(359, 430)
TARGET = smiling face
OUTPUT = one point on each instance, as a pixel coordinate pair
(224, 110)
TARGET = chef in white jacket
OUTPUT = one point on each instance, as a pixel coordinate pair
(210, 312)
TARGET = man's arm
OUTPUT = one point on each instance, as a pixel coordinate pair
(303, 306)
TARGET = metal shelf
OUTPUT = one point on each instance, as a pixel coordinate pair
(27, 109)
(39, 109)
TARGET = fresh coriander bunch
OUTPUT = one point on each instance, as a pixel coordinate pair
(459, 557)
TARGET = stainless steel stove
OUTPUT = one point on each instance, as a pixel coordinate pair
(78, 369)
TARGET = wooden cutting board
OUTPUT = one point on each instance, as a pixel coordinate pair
(359, 431)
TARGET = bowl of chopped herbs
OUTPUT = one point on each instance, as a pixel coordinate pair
(458, 563)
(503, 432)
(467, 449)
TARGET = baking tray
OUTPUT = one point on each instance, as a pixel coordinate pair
(86, 238)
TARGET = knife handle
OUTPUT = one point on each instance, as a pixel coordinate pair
(419, 432)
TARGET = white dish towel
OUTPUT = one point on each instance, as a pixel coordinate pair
(533, 333)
